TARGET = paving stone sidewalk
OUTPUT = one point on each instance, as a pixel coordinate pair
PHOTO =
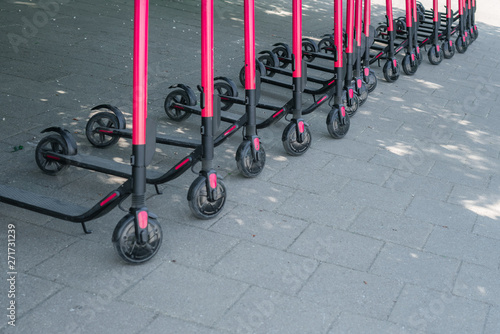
(393, 229)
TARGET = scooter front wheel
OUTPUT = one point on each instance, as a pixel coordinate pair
(391, 73)
(408, 67)
(333, 125)
(461, 45)
(51, 143)
(104, 120)
(291, 143)
(371, 81)
(247, 164)
(199, 203)
(125, 241)
(351, 104)
(282, 53)
(448, 49)
(435, 56)
(177, 96)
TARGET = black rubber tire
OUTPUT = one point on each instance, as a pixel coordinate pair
(390, 74)
(224, 89)
(102, 119)
(267, 60)
(125, 243)
(281, 52)
(245, 162)
(198, 201)
(51, 143)
(407, 67)
(372, 81)
(448, 50)
(351, 105)
(435, 57)
(290, 142)
(308, 46)
(327, 45)
(333, 125)
(461, 46)
(178, 96)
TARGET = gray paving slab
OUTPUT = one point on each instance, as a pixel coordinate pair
(266, 311)
(478, 283)
(354, 323)
(266, 267)
(339, 247)
(193, 295)
(493, 322)
(430, 311)
(417, 267)
(352, 291)
(389, 227)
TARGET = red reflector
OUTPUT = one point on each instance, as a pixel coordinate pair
(301, 127)
(395, 63)
(230, 130)
(276, 114)
(351, 93)
(182, 164)
(359, 83)
(412, 57)
(367, 72)
(109, 198)
(451, 43)
(105, 131)
(342, 111)
(143, 219)
(437, 48)
(53, 157)
(213, 180)
(256, 144)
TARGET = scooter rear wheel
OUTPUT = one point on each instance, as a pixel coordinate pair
(408, 67)
(267, 60)
(177, 96)
(391, 74)
(200, 205)
(224, 89)
(290, 141)
(308, 46)
(327, 45)
(126, 244)
(51, 143)
(435, 56)
(99, 139)
(333, 125)
(281, 52)
(247, 165)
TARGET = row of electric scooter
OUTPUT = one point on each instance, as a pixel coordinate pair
(342, 79)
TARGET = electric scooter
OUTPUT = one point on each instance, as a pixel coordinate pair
(207, 194)
(137, 237)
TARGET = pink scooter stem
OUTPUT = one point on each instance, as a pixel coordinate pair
(390, 17)
(358, 21)
(338, 32)
(297, 38)
(350, 26)
(140, 93)
(207, 57)
(249, 44)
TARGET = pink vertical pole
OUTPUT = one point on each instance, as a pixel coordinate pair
(337, 10)
(297, 37)
(358, 21)
(207, 56)
(368, 8)
(448, 9)
(350, 26)
(436, 13)
(409, 18)
(390, 17)
(249, 44)
(140, 72)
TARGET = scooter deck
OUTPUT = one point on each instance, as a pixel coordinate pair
(102, 165)
(44, 204)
